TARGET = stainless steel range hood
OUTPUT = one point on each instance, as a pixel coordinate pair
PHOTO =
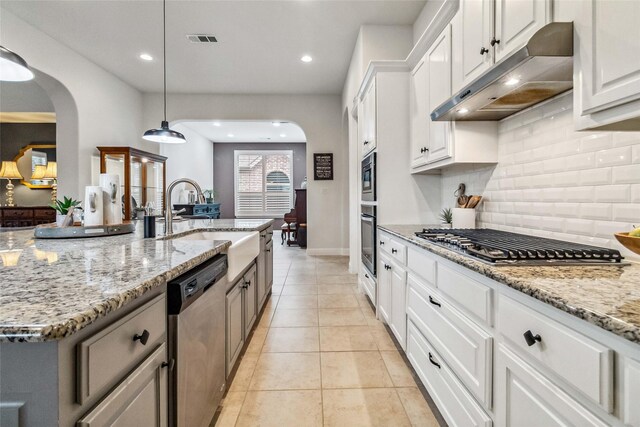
(538, 71)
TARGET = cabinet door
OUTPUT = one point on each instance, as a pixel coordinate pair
(261, 285)
(268, 257)
(235, 331)
(472, 30)
(419, 114)
(140, 400)
(398, 323)
(250, 284)
(369, 102)
(439, 88)
(609, 54)
(517, 21)
(523, 394)
(384, 287)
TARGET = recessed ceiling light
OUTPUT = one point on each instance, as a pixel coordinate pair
(512, 82)
(276, 124)
(217, 124)
(306, 58)
(283, 135)
(146, 57)
(230, 135)
(463, 111)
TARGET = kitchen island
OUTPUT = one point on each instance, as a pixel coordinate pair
(68, 311)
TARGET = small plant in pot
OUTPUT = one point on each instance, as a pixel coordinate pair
(62, 208)
(446, 217)
(209, 195)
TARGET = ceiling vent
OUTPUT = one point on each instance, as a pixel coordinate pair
(202, 38)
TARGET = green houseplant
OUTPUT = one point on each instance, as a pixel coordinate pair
(446, 216)
(209, 195)
(62, 208)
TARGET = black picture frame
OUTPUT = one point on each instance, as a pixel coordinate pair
(323, 166)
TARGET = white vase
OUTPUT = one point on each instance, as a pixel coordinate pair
(464, 218)
(93, 206)
(111, 198)
(60, 220)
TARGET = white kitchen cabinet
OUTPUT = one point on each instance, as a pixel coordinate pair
(607, 66)
(516, 21)
(419, 114)
(235, 331)
(398, 316)
(438, 60)
(367, 122)
(524, 396)
(472, 32)
(384, 287)
(631, 389)
(249, 295)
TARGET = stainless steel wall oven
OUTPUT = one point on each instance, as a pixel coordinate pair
(368, 238)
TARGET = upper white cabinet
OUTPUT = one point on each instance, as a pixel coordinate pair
(438, 60)
(367, 120)
(472, 34)
(419, 114)
(516, 22)
(607, 65)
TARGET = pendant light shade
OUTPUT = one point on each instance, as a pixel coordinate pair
(164, 135)
(12, 67)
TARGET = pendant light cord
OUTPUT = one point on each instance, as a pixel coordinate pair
(164, 53)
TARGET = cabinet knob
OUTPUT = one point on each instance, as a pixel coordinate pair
(483, 50)
(494, 41)
(366, 142)
(143, 337)
(531, 339)
(267, 250)
(394, 251)
(170, 364)
(366, 275)
(387, 267)
(434, 302)
(381, 242)
(433, 362)
(422, 150)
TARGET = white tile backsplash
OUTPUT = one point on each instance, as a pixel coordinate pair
(555, 182)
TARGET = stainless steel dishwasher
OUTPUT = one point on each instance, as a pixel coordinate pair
(196, 320)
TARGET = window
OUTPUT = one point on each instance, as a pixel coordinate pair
(263, 183)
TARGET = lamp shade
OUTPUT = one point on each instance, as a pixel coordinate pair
(38, 172)
(164, 135)
(12, 67)
(9, 170)
(52, 171)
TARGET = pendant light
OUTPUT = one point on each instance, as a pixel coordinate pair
(164, 134)
(12, 67)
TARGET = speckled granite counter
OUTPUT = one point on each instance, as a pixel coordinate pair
(608, 297)
(50, 289)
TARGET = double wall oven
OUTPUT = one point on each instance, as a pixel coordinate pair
(368, 216)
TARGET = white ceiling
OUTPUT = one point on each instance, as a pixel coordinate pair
(259, 42)
(247, 131)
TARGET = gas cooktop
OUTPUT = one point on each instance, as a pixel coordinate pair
(503, 248)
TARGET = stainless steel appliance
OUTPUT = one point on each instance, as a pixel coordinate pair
(368, 178)
(541, 69)
(502, 248)
(196, 311)
(368, 238)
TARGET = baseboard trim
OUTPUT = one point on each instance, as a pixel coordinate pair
(328, 251)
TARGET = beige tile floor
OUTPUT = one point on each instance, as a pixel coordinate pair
(319, 357)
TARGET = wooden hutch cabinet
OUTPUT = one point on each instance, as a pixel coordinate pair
(143, 176)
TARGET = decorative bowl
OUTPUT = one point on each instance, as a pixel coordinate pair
(629, 242)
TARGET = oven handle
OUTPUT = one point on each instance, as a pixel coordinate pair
(366, 218)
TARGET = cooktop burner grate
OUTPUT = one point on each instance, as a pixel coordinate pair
(505, 248)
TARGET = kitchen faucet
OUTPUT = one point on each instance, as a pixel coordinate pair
(168, 214)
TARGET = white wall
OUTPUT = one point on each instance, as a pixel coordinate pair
(553, 181)
(24, 97)
(320, 118)
(192, 160)
(93, 107)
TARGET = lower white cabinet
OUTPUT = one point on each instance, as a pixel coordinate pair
(139, 400)
(249, 283)
(384, 287)
(630, 391)
(398, 318)
(525, 397)
(455, 403)
(235, 331)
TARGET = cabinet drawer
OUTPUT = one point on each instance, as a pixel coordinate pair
(631, 389)
(44, 213)
(454, 402)
(422, 264)
(17, 213)
(525, 397)
(369, 285)
(464, 345)
(110, 354)
(470, 295)
(398, 251)
(562, 350)
(139, 400)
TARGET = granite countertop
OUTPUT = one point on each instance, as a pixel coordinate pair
(50, 289)
(606, 296)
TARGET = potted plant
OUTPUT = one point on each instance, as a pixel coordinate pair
(62, 208)
(446, 217)
(209, 195)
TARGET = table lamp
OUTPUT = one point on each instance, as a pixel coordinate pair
(48, 173)
(9, 171)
